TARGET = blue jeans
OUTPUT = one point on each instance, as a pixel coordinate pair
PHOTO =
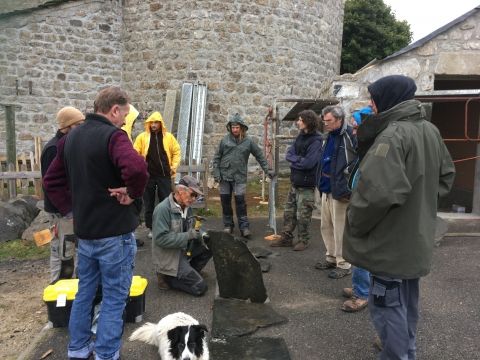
(360, 282)
(108, 261)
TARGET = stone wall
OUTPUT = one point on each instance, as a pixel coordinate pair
(455, 52)
(248, 52)
(66, 52)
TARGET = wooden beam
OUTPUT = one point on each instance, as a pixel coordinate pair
(14, 175)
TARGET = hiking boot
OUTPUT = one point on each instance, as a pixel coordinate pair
(300, 246)
(347, 292)
(246, 233)
(228, 230)
(339, 273)
(282, 242)
(162, 282)
(354, 304)
(324, 265)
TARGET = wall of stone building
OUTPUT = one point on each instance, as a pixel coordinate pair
(66, 52)
(455, 52)
(247, 51)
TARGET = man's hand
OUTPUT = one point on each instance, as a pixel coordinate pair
(121, 194)
(194, 234)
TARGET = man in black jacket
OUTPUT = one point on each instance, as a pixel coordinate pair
(62, 246)
(303, 159)
(96, 175)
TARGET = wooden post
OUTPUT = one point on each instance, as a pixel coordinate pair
(11, 138)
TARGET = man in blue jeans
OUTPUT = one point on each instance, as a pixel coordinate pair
(96, 176)
(358, 294)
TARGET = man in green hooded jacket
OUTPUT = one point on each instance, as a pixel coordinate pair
(391, 218)
(230, 170)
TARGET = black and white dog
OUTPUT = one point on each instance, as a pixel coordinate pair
(178, 337)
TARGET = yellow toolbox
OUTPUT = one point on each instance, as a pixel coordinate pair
(59, 298)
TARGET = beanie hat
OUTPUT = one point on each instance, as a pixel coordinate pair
(357, 115)
(68, 116)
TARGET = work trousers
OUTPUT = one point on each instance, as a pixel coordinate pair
(298, 213)
(331, 227)
(393, 306)
(159, 185)
(226, 190)
(62, 248)
(188, 277)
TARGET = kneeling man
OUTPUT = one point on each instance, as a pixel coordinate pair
(179, 253)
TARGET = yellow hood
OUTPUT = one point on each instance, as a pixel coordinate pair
(129, 120)
(156, 116)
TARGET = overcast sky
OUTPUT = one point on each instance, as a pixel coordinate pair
(426, 16)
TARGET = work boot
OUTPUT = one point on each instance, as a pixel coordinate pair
(354, 304)
(162, 282)
(324, 265)
(347, 292)
(300, 246)
(282, 242)
(228, 230)
(246, 233)
(339, 273)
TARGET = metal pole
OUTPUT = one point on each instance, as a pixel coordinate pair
(276, 148)
(476, 182)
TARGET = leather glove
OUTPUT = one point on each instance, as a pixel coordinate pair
(194, 234)
(270, 174)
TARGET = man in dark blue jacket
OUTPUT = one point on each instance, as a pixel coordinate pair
(303, 159)
(337, 158)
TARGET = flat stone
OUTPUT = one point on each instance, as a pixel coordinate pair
(260, 252)
(250, 348)
(237, 318)
(239, 274)
(264, 265)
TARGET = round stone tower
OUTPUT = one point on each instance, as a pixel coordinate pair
(247, 51)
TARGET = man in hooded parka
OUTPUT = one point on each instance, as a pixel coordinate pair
(392, 212)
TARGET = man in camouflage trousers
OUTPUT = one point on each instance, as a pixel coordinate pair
(303, 158)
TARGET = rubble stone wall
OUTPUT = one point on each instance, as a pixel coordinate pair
(455, 52)
(53, 57)
(247, 51)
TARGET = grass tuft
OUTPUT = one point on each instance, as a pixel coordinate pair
(22, 250)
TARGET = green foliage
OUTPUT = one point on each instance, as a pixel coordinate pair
(370, 31)
(20, 249)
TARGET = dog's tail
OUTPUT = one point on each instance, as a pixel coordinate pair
(146, 333)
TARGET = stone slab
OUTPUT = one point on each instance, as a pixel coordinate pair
(239, 274)
(250, 348)
(237, 318)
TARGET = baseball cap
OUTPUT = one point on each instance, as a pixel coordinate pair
(191, 183)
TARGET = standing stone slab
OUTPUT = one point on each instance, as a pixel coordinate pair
(239, 274)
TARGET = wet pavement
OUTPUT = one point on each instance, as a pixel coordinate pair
(316, 327)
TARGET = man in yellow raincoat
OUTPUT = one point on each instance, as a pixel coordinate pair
(162, 153)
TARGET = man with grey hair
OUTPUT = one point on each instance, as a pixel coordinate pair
(179, 253)
(337, 158)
